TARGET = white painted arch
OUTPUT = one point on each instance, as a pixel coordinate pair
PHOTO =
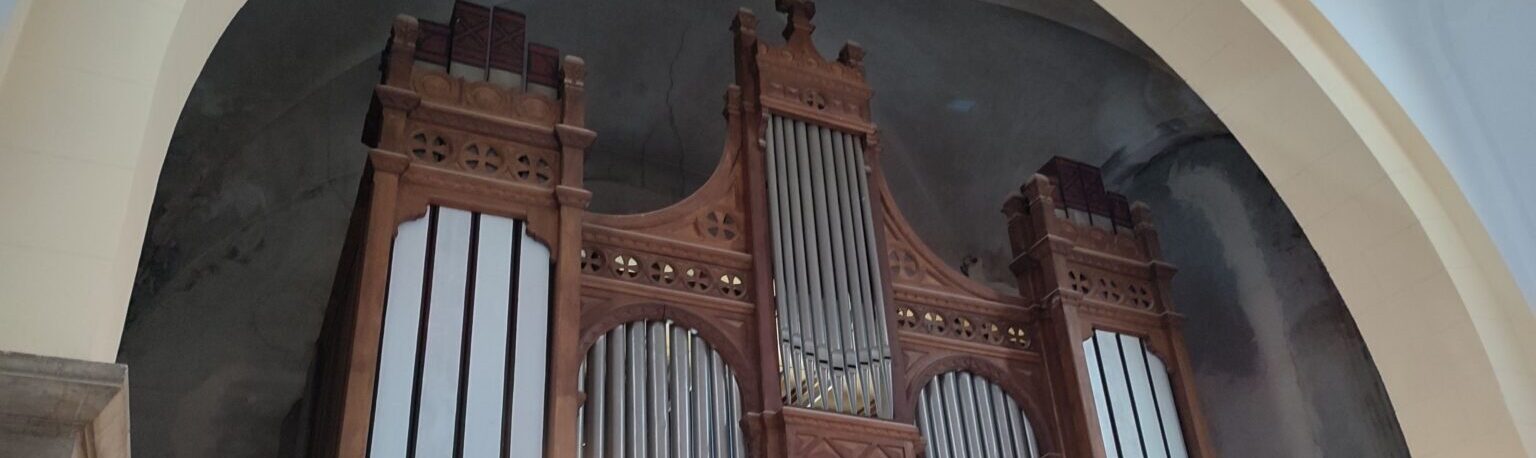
(91, 91)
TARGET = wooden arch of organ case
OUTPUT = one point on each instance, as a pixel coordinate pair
(746, 267)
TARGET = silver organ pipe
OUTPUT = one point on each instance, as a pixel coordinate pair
(962, 415)
(656, 389)
(1133, 398)
(463, 348)
(834, 346)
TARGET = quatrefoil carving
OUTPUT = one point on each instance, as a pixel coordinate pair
(934, 322)
(719, 225)
(662, 272)
(626, 266)
(732, 285)
(963, 328)
(529, 167)
(429, 146)
(592, 260)
(991, 333)
(906, 318)
(1017, 336)
(483, 159)
(697, 279)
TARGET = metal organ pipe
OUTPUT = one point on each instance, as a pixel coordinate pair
(962, 415)
(462, 351)
(1133, 398)
(666, 394)
(834, 347)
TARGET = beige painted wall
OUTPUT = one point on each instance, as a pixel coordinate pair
(91, 94)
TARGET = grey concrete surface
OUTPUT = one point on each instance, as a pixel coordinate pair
(62, 408)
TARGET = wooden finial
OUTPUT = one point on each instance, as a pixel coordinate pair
(745, 22)
(798, 32)
(852, 55)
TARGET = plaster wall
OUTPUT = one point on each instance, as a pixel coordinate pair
(1452, 66)
(78, 87)
(1279, 363)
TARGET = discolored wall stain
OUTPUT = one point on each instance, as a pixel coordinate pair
(1281, 368)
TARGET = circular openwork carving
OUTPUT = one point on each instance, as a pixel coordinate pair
(1139, 295)
(697, 279)
(904, 264)
(532, 168)
(1080, 282)
(732, 286)
(661, 272)
(1016, 336)
(483, 159)
(625, 266)
(719, 225)
(963, 328)
(906, 318)
(429, 146)
(592, 260)
(991, 333)
(934, 322)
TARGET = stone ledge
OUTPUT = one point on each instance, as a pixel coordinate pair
(56, 407)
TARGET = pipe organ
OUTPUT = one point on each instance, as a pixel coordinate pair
(786, 308)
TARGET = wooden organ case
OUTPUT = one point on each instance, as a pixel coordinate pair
(786, 308)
